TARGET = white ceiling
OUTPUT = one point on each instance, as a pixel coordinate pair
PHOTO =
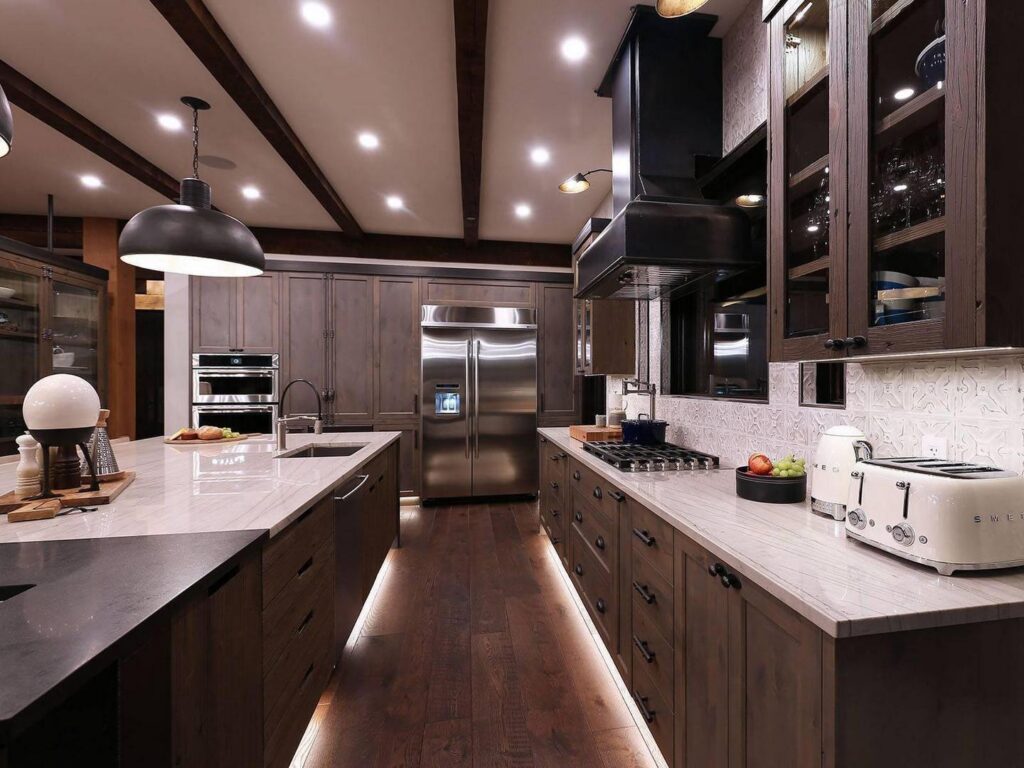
(382, 67)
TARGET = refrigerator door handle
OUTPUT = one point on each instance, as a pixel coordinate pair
(469, 416)
(476, 400)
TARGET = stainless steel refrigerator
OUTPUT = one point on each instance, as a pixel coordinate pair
(479, 396)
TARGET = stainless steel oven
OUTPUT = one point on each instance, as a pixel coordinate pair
(246, 419)
(235, 379)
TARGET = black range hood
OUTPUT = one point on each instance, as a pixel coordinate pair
(665, 82)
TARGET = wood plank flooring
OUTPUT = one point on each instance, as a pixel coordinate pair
(473, 653)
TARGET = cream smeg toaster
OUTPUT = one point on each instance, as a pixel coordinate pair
(952, 516)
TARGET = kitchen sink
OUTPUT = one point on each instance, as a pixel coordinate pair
(315, 451)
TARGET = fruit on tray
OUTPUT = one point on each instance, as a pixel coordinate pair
(789, 466)
(759, 464)
(205, 433)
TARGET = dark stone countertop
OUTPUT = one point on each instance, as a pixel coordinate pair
(90, 597)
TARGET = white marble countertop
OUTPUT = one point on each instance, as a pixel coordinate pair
(806, 561)
(202, 488)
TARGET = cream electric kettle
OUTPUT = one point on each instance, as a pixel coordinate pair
(839, 449)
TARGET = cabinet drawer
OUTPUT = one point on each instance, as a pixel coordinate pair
(552, 526)
(654, 652)
(652, 538)
(293, 552)
(556, 507)
(652, 597)
(296, 604)
(281, 737)
(595, 530)
(655, 710)
(598, 491)
(594, 583)
(307, 645)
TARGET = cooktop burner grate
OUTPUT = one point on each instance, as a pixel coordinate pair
(662, 457)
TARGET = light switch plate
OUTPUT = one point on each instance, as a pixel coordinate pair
(934, 447)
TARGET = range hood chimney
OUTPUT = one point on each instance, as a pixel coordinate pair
(665, 82)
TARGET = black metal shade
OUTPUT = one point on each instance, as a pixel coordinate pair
(191, 239)
(6, 125)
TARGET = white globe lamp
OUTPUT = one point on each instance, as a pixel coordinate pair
(61, 411)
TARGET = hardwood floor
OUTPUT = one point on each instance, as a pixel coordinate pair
(473, 653)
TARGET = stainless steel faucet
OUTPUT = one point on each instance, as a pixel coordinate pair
(284, 421)
(637, 387)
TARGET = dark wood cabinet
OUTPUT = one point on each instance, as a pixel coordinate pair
(409, 448)
(236, 314)
(553, 493)
(558, 391)
(304, 339)
(351, 361)
(396, 313)
(890, 196)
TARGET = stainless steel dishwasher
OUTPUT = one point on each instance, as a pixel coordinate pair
(349, 501)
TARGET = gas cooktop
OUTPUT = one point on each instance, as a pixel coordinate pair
(662, 457)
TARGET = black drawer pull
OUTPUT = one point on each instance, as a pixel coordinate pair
(648, 596)
(554, 485)
(305, 566)
(600, 605)
(641, 702)
(599, 542)
(555, 457)
(306, 676)
(578, 516)
(645, 537)
(619, 497)
(597, 492)
(646, 652)
(716, 570)
(555, 540)
(579, 569)
(576, 475)
(729, 580)
(305, 622)
(228, 576)
(554, 513)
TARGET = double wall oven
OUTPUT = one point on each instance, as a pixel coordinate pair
(237, 391)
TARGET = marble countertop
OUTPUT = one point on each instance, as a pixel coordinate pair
(206, 488)
(806, 561)
(88, 598)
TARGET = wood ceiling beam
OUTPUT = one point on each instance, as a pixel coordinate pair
(197, 27)
(47, 108)
(470, 60)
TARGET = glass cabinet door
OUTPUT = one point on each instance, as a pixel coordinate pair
(807, 104)
(898, 109)
(20, 289)
(74, 330)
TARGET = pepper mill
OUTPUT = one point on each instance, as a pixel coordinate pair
(67, 472)
(27, 474)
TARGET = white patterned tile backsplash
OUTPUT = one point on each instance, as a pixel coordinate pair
(988, 388)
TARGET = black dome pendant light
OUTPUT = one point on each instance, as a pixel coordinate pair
(6, 124)
(191, 238)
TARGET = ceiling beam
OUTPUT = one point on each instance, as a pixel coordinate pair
(194, 23)
(47, 108)
(470, 58)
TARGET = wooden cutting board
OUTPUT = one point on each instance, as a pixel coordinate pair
(74, 497)
(205, 442)
(588, 433)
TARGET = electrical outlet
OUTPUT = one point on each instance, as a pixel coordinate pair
(934, 447)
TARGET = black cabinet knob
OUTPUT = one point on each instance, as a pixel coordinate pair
(835, 344)
(716, 570)
(578, 569)
(599, 542)
(554, 485)
(554, 513)
(597, 492)
(576, 475)
(578, 516)
(855, 342)
(600, 605)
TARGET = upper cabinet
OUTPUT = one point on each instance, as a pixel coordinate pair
(808, 151)
(893, 134)
(236, 314)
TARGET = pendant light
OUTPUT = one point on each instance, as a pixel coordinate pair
(191, 238)
(670, 9)
(579, 183)
(6, 124)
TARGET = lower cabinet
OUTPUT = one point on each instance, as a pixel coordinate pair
(554, 470)
(409, 451)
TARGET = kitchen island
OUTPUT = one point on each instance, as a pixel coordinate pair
(197, 618)
(758, 634)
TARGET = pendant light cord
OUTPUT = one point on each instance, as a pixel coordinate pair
(195, 143)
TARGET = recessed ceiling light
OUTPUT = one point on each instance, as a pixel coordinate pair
(812, 228)
(394, 202)
(169, 122)
(90, 181)
(540, 155)
(523, 211)
(751, 200)
(903, 94)
(574, 49)
(251, 193)
(316, 14)
(900, 188)
(368, 140)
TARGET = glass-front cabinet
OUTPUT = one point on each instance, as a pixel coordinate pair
(807, 44)
(899, 185)
(52, 320)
